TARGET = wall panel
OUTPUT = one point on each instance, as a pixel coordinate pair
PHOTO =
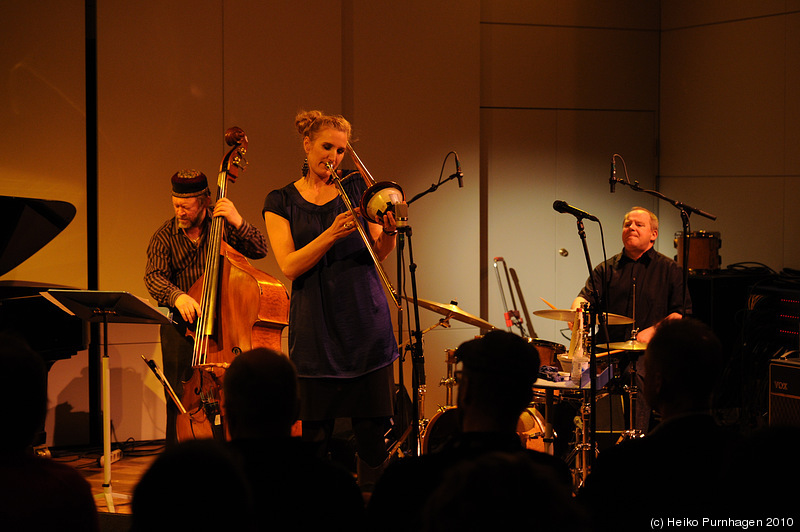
(43, 118)
(611, 13)
(737, 203)
(684, 13)
(723, 99)
(568, 67)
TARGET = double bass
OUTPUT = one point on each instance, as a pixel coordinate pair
(241, 308)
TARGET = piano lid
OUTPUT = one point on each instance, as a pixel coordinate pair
(27, 225)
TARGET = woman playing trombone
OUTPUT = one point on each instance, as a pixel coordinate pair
(340, 329)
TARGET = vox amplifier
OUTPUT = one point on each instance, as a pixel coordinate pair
(784, 392)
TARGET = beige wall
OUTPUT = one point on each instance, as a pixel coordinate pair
(535, 96)
(729, 114)
(564, 86)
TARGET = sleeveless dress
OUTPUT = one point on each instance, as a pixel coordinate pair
(340, 330)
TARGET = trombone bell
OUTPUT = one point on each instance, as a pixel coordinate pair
(379, 199)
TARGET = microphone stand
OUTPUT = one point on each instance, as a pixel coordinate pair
(432, 188)
(686, 211)
(418, 381)
(407, 431)
(592, 346)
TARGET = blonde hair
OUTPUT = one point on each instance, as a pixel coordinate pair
(653, 217)
(310, 123)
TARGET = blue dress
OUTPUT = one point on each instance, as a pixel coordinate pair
(340, 328)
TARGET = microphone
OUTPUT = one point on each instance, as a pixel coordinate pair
(563, 207)
(612, 181)
(459, 173)
(401, 215)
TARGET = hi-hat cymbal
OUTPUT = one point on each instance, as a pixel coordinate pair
(569, 315)
(452, 311)
(630, 345)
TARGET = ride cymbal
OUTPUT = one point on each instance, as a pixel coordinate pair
(569, 315)
(630, 345)
(452, 311)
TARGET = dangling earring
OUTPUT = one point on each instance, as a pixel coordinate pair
(305, 167)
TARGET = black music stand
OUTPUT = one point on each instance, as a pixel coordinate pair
(106, 307)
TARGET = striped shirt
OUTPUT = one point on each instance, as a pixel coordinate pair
(174, 262)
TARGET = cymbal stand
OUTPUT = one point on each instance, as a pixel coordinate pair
(632, 388)
(582, 453)
(450, 380)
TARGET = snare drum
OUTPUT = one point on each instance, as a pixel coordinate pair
(703, 250)
(445, 424)
(547, 351)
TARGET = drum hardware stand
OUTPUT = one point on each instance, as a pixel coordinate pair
(633, 390)
(450, 380)
(512, 317)
(422, 423)
(582, 452)
(582, 455)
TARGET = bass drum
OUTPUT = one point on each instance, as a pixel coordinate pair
(442, 426)
(445, 424)
(530, 428)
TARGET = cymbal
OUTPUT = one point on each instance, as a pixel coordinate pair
(452, 311)
(630, 345)
(569, 315)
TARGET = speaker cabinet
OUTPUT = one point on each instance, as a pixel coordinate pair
(784, 393)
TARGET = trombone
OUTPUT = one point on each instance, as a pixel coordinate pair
(377, 200)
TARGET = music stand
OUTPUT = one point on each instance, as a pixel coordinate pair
(106, 307)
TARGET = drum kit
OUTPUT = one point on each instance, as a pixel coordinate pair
(534, 428)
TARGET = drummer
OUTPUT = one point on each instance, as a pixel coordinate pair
(639, 273)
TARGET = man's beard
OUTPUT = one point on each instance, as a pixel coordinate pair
(190, 223)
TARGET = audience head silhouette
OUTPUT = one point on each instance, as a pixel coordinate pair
(495, 385)
(261, 398)
(36, 493)
(494, 491)
(683, 365)
(194, 485)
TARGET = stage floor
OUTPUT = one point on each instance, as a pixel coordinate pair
(125, 474)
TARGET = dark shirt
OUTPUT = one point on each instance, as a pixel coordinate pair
(399, 498)
(174, 262)
(674, 471)
(659, 290)
(291, 485)
(40, 494)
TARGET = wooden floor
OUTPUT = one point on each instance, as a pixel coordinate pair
(125, 474)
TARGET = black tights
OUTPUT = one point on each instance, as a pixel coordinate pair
(368, 433)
